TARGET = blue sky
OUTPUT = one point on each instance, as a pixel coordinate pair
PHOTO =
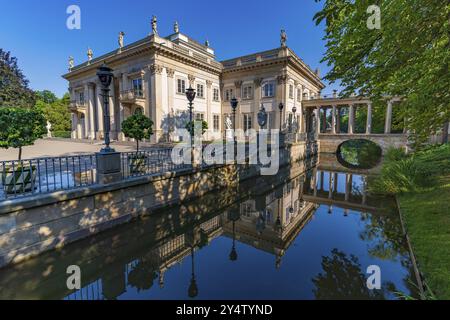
(36, 33)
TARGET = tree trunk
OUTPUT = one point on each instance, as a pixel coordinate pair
(20, 153)
(445, 133)
(137, 145)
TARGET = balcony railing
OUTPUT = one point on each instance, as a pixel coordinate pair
(77, 106)
(131, 96)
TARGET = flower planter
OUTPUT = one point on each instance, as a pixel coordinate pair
(137, 163)
(19, 180)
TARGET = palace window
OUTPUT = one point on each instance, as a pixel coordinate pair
(228, 94)
(299, 95)
(247, 92)
(200, 91)
(137, 87)
(268, 89)
(181, 86)
(199, 116)
(216, 94)
(247, 121)
(81, 97)
(291, 91)
(216, 122)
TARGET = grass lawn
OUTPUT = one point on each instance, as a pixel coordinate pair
(427, 219)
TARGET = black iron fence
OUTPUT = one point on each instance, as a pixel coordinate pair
(155, 161)
(43, 175)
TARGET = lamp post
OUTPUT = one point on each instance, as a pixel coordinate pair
(190, 95)
(294, 119)
(105, 76)
(234, 104)
(281, 107)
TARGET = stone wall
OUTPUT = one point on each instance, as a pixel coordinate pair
(33, 225)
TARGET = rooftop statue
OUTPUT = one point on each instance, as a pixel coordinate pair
(176, 27)
(90, 54)
(154, 25)
(120, 40)
(71, 63)
(283, 38)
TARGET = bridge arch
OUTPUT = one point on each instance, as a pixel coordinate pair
(329, 143)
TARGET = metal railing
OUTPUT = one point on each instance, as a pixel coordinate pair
(44, 175)
(143, 163)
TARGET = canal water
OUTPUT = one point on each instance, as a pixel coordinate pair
(311, 232)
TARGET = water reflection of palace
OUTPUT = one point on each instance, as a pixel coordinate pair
(269, 216)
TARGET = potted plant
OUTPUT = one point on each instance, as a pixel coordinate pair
(137, 127)
(19, 128)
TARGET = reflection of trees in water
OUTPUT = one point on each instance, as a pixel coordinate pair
(342, 278)
(385, 237)
(143, 275)
(359, 153)
(387, 242)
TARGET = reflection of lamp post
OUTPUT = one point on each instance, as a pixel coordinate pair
(234, 104)
(190, 95)
(193, 289)
(105, 76)
(233, 253)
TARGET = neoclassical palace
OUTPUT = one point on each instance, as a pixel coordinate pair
(151, 76)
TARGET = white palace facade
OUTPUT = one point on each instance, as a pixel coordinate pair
(151, 76)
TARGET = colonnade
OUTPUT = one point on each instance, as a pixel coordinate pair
(336, 106)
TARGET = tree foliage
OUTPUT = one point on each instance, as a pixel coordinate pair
(191, 126)
(56, 111)
(14, 91)
(407, 57)
(138, 127)
(20, 127)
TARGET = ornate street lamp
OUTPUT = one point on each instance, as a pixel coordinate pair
(234, 104)
(281, 107)
(190, 95)
(105, 75)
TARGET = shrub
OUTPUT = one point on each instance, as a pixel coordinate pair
(62, 134)
(190, 126)
(137, 127)
(403, 174)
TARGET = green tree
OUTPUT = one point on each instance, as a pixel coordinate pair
(20, 127)
(46, 96)
(55, 110)
(191, 125)
(14, 91)
(407, 57)
(137, 127)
